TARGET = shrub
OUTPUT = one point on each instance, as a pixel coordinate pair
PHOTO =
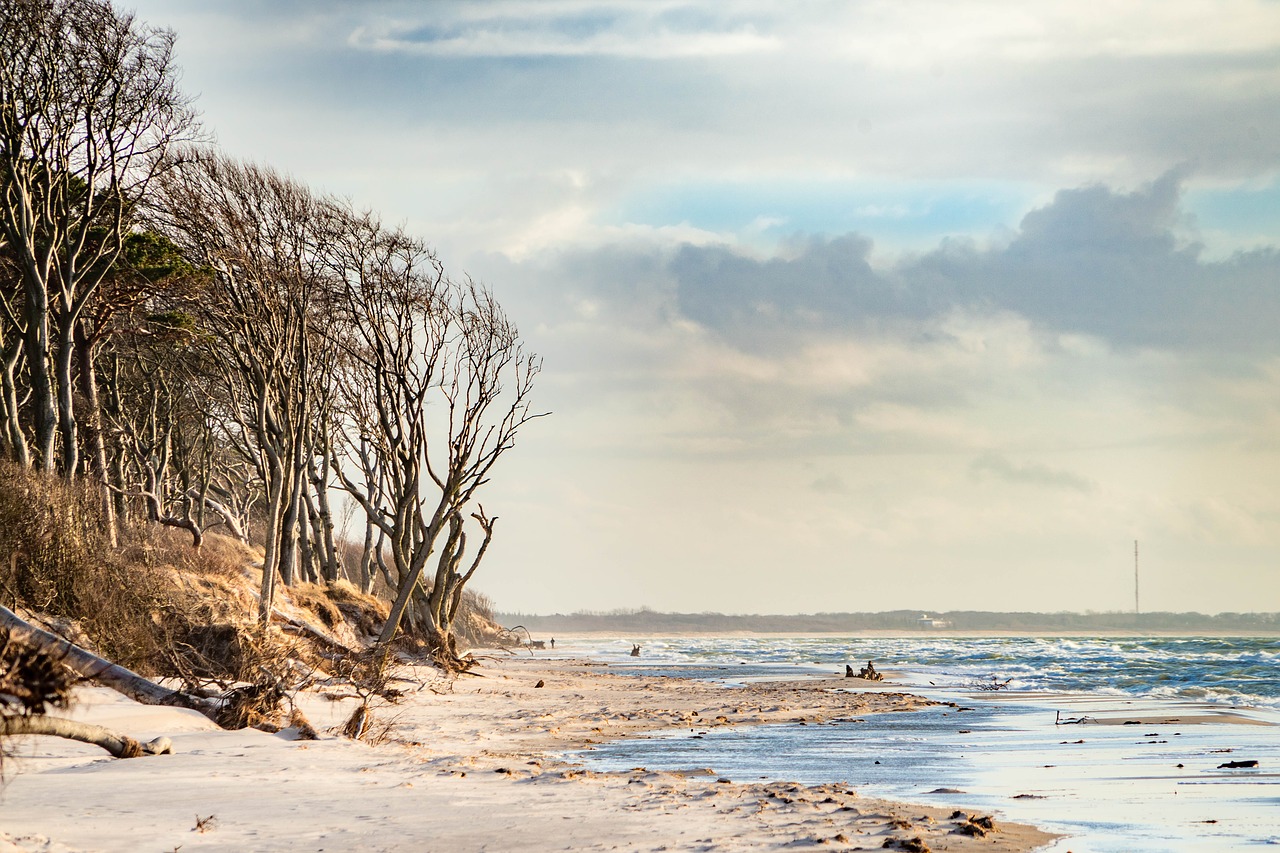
(55, 558)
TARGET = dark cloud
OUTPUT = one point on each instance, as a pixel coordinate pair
(758, 302)
(1093, 261)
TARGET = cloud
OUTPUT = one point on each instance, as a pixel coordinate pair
(1092, 261)
(995, 465)
(1093, 324)
(628, 29)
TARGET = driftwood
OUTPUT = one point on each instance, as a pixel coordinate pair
(1060, 720)
(93, 668)
(120, 746)
(868, 672)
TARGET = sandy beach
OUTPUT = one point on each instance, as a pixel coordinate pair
(471, 764)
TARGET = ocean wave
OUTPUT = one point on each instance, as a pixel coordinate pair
(1235, 671)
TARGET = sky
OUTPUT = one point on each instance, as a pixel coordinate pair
(844, 305)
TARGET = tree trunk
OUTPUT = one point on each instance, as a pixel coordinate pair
(67, 425)
(289, 531)
(95, 438)
(44, 411)
(15, 440)
(323, 519)
(306, 567)
(120, 746)
(410, 579)
(90, 666)
(271, 546)
(367, 576)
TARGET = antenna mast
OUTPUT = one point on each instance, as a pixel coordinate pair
(1136, 610)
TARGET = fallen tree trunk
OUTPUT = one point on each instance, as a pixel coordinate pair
(89, 666)
(121, 746)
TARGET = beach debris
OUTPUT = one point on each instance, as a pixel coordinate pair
(912, 845)
(948, 791)
(540, 683)
(993, 684)
(867, 673)
(302, 726)
(357, 723)
(1029, 796)
(203, 824)
(91, 667)
(1236, 765)
(635, 651)
(34, 678)
(977, 827)
(1060, 720)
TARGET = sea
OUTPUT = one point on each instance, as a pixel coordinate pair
(1050, 734)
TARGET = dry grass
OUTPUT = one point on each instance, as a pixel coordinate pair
(475, 623)
(364, 613)
(55, 559)
(219, 555)
(162, 608)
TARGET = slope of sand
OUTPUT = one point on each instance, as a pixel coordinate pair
(472, 765)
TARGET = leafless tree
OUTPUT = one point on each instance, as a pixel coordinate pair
(256, 234)
(89, 105)
(162, 427)
(436, 386)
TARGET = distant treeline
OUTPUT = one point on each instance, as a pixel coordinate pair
(651, 621)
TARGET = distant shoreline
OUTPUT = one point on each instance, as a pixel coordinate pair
(901, 623)
(626, 633)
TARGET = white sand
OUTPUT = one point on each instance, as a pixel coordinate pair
(475, 768)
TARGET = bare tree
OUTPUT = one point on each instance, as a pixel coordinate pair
(89, 105)
(164, 436)
(436, 386)
(256, 233)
